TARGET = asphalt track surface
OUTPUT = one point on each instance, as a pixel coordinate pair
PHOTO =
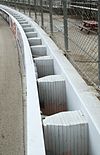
(11, 103)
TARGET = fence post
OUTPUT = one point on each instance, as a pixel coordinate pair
(24, 5)
(15, 5)
(18, 5)
(41, 6)
(51, 19)
(29, 8)
(65, 13)
(99, 41)
(35, 10)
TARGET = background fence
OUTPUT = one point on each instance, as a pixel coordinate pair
(74, 26)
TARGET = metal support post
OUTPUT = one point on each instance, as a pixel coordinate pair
(65, 13)
(29, 8)
(90, 10)
(15, 5)
(99, 41)
(7, 3)
(51, 13)
(42, 20)
(35, 10)
(19, 5)
(24, 6)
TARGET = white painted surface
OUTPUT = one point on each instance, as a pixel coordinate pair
(39, 50)
(78, 94)
(34, 41)
(52, 93)
(31, 34)
(44, 65)
(72, 135)
(34, 135)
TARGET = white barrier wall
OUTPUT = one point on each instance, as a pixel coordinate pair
(78, 94)
(52, 93)
(33, 134)
(67, 133)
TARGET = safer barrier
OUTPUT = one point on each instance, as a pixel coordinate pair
(76, 95)
(33, 126)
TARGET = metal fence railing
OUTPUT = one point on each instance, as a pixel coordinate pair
(74, 26)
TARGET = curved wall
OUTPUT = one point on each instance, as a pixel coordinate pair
(78, 95)
(33, 133)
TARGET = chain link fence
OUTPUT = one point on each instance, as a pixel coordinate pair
(74, 26)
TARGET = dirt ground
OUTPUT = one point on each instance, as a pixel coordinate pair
(11, 105)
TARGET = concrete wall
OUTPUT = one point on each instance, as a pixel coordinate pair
(78, 95)
(33, 125)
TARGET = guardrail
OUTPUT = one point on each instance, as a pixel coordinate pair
(78, 96)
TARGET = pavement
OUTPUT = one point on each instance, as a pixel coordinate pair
(11, 103)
